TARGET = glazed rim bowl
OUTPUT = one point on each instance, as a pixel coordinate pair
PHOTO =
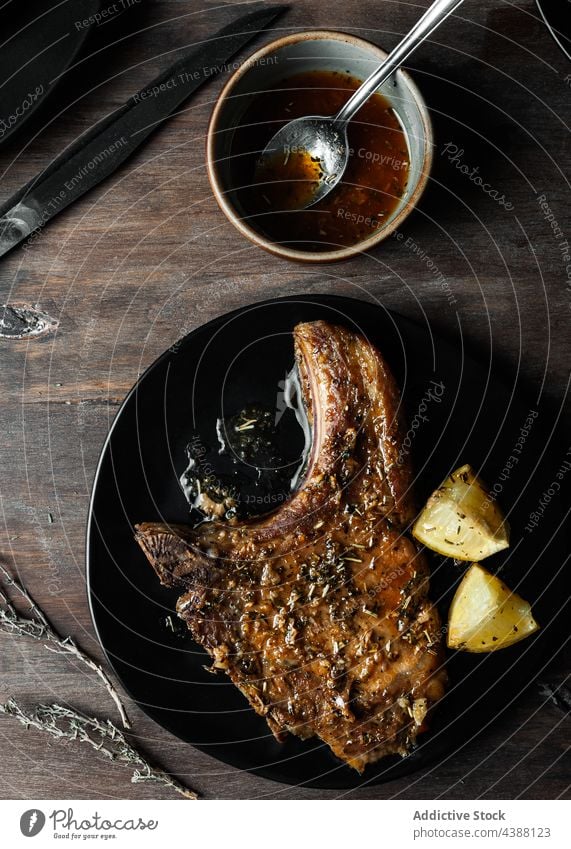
(321, 50)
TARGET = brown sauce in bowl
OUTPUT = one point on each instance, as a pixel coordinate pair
(371, 188)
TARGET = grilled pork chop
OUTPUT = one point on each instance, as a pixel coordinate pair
(319, 611)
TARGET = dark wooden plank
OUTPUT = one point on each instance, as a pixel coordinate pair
(147, 256)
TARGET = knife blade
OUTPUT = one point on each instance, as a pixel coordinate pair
(102, 149)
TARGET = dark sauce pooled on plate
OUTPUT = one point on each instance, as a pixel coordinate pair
(373, 183)
(252, 463)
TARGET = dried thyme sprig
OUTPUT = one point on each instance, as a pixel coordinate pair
(38, 627)
(103, 736)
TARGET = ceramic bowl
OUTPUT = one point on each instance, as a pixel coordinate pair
(299, 53)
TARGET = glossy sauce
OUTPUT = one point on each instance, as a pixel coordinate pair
(373, 184)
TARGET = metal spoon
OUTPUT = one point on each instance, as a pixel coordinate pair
(320, 143)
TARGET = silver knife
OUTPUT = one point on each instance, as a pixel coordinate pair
(103, 148)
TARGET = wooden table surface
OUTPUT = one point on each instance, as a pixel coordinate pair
(148, 256)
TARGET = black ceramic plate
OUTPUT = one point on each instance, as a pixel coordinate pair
(240, 359)
(556, 14)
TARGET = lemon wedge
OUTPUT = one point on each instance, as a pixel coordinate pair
(460, 519)
(485, 615)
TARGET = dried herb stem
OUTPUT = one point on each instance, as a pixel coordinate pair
(102, 735)
(38, 627)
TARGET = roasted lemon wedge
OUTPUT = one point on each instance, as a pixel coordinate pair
(461, 520)
(485, 615)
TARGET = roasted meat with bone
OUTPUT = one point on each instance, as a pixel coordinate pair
(319, 611)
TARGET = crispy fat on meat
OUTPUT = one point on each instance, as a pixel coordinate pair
(319, 611)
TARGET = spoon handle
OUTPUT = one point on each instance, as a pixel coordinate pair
(431, 19)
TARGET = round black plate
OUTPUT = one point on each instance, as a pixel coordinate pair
(240, 358)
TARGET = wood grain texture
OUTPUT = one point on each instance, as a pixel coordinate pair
(147, 256)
